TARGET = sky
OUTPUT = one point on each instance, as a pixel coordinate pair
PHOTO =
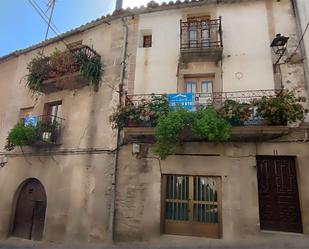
(21, 26)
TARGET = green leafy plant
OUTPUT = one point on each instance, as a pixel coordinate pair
(123, 115)
(47, 126)
(281, 109)
(204, 123)
(39, 69)
(59, 63)
(234, 112)
(151, 110)
(145, 113)
(168, 131)
(90, 68)
(21, 135)
(208, 124)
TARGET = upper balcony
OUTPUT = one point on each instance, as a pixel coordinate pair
(70, 69)
(201, 40)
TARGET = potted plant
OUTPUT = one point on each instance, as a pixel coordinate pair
(46, 130)
(127, 115)
(21, 135)
(281, 109)
(144, 114)
(234, 112)
(39, 69)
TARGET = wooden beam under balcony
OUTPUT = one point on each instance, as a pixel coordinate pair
(238, 134)
(70, 82)
(211, 54)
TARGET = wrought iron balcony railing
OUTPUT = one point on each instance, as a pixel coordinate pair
(48, 129)
(65, 62)
(214, 98)
(201, 34)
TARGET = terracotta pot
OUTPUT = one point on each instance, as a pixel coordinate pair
(132, 123)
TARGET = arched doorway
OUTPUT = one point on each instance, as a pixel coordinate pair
(30, 211)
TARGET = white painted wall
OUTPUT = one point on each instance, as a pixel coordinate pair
(303, 11)
(247, 63)
(248, 29)
(156, 67)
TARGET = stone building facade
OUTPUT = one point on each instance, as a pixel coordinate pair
(99, 185)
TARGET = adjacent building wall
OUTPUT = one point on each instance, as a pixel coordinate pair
(77, 174)
(301, 8)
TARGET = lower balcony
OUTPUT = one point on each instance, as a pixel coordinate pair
(35, 131)
(49, 130)
(245, 113)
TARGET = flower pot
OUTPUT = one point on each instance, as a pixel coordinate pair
(132, 123)
(145, 124)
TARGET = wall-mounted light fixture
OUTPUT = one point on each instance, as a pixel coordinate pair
(3, 161)
(279, 46)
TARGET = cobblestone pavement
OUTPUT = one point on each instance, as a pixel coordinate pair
(286, 243)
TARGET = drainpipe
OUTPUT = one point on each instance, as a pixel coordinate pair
(119, 4)
(302, 46)
(115, 164)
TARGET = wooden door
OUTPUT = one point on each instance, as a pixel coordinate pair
(191, 205)
(30, 211)
(278, 194)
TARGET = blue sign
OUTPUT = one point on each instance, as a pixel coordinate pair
(31, 121)
(183, 100)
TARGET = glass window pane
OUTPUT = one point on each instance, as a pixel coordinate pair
(191, 87)
(207, 87)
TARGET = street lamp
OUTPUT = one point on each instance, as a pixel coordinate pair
(3, 161)
(279, 46)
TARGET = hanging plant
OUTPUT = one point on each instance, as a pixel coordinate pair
(39, 69)
(21, 135)
(204, 123)
(90, 68)
(281, 109)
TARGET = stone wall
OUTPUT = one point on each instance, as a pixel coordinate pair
(139, 179)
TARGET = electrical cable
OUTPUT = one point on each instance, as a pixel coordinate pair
(43, 13)
(46, 21)
(53, 3)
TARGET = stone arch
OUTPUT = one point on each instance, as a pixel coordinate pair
(30, 209)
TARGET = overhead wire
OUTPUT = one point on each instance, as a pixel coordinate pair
(46, 21)
(53, 27)
(43, 13)
(51, 5)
